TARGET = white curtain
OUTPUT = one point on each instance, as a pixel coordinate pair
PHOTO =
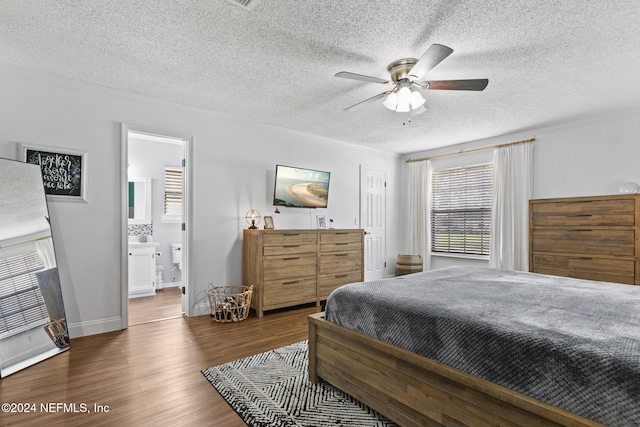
(45, 250)
(418, 177)
(512, 188)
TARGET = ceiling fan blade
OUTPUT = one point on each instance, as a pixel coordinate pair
(367, 101)
(432, 57)
(473, 84)
(354, 76)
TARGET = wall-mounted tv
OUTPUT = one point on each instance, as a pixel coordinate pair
(301, 188)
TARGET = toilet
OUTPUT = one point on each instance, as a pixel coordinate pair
(176, 255)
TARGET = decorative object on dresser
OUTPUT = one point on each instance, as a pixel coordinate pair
(268, 223)
(591, 238)
(629, 188)
(252, 216)
(291, 267)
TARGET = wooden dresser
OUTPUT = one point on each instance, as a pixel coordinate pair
(593, 238)
(291, 267)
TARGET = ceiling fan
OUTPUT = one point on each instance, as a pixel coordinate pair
(405, 74)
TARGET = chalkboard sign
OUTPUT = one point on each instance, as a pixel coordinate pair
(63, 171)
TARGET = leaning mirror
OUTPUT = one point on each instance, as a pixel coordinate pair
(33, 326)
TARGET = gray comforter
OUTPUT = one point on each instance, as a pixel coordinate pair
(572, 343)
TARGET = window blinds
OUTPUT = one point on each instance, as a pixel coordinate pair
(461, 200)
(21, 304)
(173, 191)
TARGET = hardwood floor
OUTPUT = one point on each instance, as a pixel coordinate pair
(148, 374)
(165, 304)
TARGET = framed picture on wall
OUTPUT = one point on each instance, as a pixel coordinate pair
(64, 172)
(268, 223)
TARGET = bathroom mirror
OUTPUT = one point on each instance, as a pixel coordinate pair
(33, 326)
(139, 201)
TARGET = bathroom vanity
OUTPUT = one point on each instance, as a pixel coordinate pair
(142, 269)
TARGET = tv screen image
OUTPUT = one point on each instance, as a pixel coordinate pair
(301, 188)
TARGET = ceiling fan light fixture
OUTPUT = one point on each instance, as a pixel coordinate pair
(416, 100)
(404, 100)
(404, 75)
(391, 102)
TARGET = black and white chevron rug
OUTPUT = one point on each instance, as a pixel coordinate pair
(272, 389)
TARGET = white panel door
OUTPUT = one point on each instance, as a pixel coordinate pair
(372, 220)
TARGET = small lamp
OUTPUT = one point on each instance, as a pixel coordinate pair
(252, 216)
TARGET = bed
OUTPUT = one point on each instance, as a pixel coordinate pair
(467, 346)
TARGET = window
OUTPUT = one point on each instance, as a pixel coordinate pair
(21, 303)
(461, 201)
(172, 194)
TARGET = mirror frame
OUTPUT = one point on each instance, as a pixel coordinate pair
(146, 182)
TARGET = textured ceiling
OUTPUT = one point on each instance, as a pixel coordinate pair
(547, 61)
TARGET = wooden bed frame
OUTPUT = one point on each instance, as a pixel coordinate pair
(412, 390)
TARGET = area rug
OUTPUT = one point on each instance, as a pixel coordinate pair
(273, 389)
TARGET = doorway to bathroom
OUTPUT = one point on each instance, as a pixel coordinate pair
(155, 217)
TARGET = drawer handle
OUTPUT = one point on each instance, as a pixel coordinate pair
(341, 275)
(578, 215)
(578, 229)
(342, 254)
(341, 244)
(291, 234)
(293, 282)
(290, 258)
(580, 257)
(291, 246)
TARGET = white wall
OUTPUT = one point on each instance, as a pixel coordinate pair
(233, 167)
(580, 158)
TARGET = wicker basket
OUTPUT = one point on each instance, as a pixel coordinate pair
(229, 303)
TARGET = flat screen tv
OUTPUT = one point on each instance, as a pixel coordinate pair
(301, 188)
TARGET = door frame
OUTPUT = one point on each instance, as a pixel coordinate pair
(187, 214)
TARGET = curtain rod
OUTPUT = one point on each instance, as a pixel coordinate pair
(25, 242)
(422, 159)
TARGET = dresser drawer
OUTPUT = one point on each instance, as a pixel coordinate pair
(341, 237)
(340, 241)
(290, 238)
(587, 212)
(340, 262)
(579, 267)
(328, 283)
(290, 249)
(589, 241)
(287, 267)
(340, 246)
(282, 293)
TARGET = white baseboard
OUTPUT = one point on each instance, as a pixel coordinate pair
(13, 367)
(170, 285)
(94, 327)
(201, 309)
